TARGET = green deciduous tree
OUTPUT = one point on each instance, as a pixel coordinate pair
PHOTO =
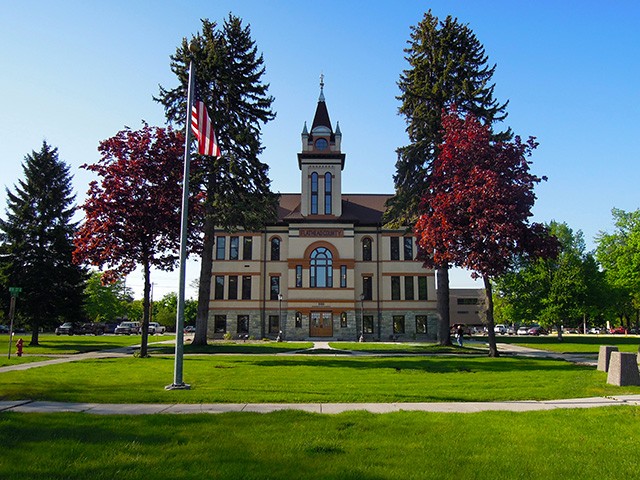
(105, 301)
(447, 65)
(37, 238)
(229, 79)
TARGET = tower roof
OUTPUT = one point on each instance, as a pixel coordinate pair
(321, 118)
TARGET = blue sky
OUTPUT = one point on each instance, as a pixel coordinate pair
(76, 72)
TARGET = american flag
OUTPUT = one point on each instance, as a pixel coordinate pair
(203, 130)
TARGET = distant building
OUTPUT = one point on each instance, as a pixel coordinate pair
(327, 268)
(467, 306)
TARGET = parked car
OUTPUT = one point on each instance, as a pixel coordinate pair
(537, 331)
(524, 330)
(67, 328)
(128, 328)
(156, 328)
(511, 330)
(501, 329)
(618, 331)
(189, 329)
(87, 328)
(4, 329)
(110, 327)
(595, 331)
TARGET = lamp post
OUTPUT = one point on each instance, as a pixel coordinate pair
(362, 317)
(280, 323)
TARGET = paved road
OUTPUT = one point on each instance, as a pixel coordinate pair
(325, 408)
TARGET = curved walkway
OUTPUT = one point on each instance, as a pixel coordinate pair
(29, 406)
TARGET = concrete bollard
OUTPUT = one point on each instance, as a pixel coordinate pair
(623, 369)
(604, 357)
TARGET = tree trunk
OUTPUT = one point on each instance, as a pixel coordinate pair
(493, 347)
(35, 330)
(204, 286)
(145, 310)
(444, 327)
(559, 328)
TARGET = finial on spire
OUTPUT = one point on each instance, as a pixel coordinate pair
(321, 99)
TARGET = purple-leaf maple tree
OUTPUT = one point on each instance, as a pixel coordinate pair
(475, 212)
(132, 213)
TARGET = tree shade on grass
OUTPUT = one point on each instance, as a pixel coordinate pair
(568, 444)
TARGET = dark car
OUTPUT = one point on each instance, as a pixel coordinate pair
(88, 328)
(537, 331)
(67, 328)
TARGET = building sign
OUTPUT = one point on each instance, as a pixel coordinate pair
(320, 232)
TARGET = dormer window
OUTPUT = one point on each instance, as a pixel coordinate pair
(322, 144)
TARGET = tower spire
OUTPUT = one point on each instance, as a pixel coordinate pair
(321, 98)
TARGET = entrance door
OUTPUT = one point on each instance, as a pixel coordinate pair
(321, 324)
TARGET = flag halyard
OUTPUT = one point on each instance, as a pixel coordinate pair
(202, 128)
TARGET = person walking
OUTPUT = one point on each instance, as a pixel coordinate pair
(459, 335)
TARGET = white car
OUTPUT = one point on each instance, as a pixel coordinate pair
(156, 328)
(501, 329)
(523, 330)
(128, 328)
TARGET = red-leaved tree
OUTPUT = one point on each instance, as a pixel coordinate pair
(132, 214)
(475, 213)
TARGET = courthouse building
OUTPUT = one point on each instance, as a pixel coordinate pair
(327, 269)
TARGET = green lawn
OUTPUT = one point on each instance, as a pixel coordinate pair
(251, 347)
(561, 444)
(51, 344)
(304, 378)
(572, 343)
(408, 348)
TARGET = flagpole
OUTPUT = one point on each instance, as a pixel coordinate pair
(178, 383)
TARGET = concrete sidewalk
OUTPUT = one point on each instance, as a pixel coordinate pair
(28, 406)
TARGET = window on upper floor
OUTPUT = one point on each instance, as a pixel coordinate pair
(233, 287)
(298, 276)
(395, 248)
(314, 193)
(343, 276)
(246, 287)
(327, 193)
(275, 287)
(408, 288)
(395, 288)
(219, 288)
(423, 293)
(366, 250)
(247, 248)
(234, 247)
(220, 246)
(275, 249)
(321, 268)
(367, 288)
(408, 248)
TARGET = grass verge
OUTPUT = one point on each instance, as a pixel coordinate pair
(573, 343)
(568, 444)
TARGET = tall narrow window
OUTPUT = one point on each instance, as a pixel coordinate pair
(408, 248)
(275, 249)
(220, 323)
(247, 248)
(298, 320)
(219, 289)
(327, 193)
(343, 276)
(246, 287)
(234, 247)
(367, 288)
(243, 323)
(366, 250)
(421, 324)
(233, 287)
(422, 288)
(321, 268)
(408, 288)
(220, 246)
(395, 288)
(275, 288)
(398, 324)
(343, 320)
(314, 193)
(395, 248)
(367, 323)
(274, 323)
(298, 276)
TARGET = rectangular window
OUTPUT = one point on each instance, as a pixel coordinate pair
(467, 301)
(398, 324)
(275, 288)
(243, 323)
(395, 248)
(343, 276)
(219, 288)
(422, 288)
(246, 287)
(234, 245)
(421, 324)
(233, 287)
(367, 288)
(220, 246)
(395, 288)
(274, 324)
(220, 323)
(298, 320)
(298, 276)
(408, 288)
(247, 248)
(366, 250)
(408, 248)
(343, 320)
(367, 323)
(275, 249)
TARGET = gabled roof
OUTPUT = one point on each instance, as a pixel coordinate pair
(357, 208)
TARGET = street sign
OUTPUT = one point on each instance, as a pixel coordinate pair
(14, 291)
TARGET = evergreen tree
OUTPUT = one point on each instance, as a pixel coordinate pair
(447, 66)
(37, 237)
(228, 79)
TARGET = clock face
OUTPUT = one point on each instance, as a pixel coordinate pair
(321, 144)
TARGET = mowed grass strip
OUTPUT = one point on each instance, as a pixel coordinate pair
(572, 343)
(569, 444)
(52, 344)
(301, 378)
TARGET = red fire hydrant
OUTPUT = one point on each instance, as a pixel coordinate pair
(19, 347)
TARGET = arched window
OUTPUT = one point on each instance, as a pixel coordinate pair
(321, 268)
(327, 193)
(314, 193)
(366, 250)
(275, 249)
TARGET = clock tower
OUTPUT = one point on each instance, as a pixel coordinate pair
(321, 163)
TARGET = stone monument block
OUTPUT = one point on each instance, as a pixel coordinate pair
(604, 357)
(623, 369)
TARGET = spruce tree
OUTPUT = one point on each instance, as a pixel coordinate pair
(447, 66)
(37, 237)
(229, 74)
